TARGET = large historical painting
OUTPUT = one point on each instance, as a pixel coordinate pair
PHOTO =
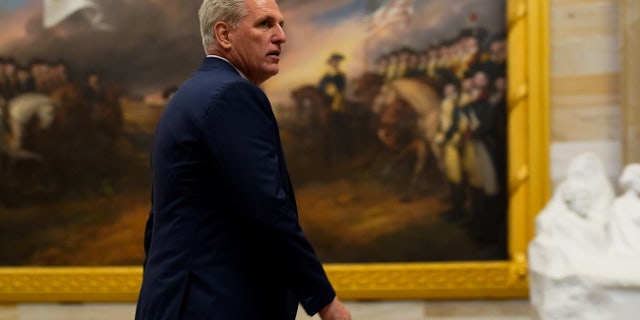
(392, 115)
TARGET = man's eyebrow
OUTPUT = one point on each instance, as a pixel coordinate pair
(272, 18)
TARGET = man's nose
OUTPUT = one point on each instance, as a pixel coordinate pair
(280, 35)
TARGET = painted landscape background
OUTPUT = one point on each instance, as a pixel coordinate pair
(369, 186)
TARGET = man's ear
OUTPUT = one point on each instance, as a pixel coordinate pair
(222, 32)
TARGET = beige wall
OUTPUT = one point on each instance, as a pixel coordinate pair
(586, 113)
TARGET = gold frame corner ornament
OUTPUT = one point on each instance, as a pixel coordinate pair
(528, 76)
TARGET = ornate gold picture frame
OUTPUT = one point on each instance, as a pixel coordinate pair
(529, 187)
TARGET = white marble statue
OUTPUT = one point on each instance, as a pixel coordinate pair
(624, 226)
(584, 261)
(572, 227)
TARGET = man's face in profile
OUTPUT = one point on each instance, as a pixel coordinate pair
(257, 41)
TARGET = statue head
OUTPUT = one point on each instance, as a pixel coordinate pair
(630, 178)
(587, 190)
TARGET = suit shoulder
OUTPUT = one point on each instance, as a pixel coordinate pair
(217, 81)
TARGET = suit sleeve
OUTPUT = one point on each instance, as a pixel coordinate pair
(147, 238)
(242, 134)
(148, 232)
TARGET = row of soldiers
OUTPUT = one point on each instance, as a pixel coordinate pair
(473, 135)
(36, 76)
(42, 76)
(470, 72)
(84, 107)
(449, 60)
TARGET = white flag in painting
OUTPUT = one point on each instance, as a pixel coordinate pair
(396, 14)
(56, 11)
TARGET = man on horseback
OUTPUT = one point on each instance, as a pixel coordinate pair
(93, 89)
(334, 82)
(332, 86)
(104, 107)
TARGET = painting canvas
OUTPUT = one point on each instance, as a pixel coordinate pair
(391, 113)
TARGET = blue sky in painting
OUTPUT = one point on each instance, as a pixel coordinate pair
(11, 4)
(331, 17)
(349, 9)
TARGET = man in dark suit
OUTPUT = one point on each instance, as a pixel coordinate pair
(223, 239)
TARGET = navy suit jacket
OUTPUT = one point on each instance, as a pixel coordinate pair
(223, 239)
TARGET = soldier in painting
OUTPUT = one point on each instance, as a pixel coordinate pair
(8, 81)
(448, 138)
(465, 117)
(495, 61)
(394, 66)
(432, 61)
(470, 53)
(25, 81)
(38, 78)
(3, 84)
(382, 65)
(481, 148)
(334, 82)
(332, 86)
(405, 62)
(93, 91)
(58, 74)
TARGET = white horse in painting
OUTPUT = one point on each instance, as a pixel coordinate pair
(21, 110)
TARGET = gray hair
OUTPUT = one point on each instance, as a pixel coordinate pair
(214, 11)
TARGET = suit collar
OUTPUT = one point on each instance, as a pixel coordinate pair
(213, 61)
